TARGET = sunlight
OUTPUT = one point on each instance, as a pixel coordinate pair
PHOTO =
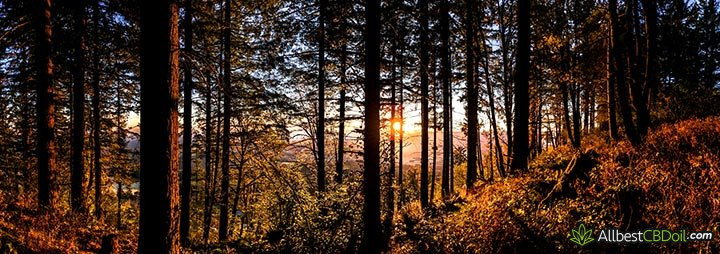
(397, 126)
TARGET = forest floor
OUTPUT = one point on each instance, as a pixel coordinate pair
(671, 181)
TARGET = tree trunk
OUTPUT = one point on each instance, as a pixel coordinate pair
(619, 67)
(472, 97)
(97, 143)
(45, 105)
(77, 199)
(491, 104)
(575, 98)
(187, 128)
(158, 128)
(321, 100)
(651, 60)
(227, 90)
(634, 67)
(341, 126)
(424, 103)
(445, 79)
(207, 213)
(371, 158)
(401, 198)
(390, 194)
(611, 82)
(522, 73)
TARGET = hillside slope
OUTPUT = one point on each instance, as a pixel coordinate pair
(672, 181)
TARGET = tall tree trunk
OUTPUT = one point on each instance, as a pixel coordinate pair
(207, 213)
(227, 90)
(119, 206)
(77, 199)
(434, 144)
(371, 158)
(97, 143)
(575, 98)
(611, 82)
(634, 68)
(445, 79)
(506, 86)
(45, 105)
(341, 126)
(619, 67)
(159, 94)
(390, 194)
(187, 128)
(472, 97)
(522, 73)
(401, 198)
(651, 61)
(321, 100)
(491, 102)
(566, 112)
(424, 103)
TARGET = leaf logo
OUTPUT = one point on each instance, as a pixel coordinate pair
(581, 236)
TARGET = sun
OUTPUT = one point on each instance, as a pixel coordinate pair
(397, 126)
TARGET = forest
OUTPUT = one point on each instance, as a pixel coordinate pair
(359, 126)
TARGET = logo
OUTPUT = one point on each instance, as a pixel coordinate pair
(582, 236)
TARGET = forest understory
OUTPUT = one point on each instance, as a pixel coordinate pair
(671, 181)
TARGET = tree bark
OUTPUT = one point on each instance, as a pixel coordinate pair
(227, 91)
(371, 158)
(341, 126)
(522, 73)
(445, 79)
(187, 128)
(619, 67)
(45, 105)
(97, 143)
(611, 82)
(321, 100)
(77, 199)
(472, 97)
(424, 103)
(651, 61)
(159, 93)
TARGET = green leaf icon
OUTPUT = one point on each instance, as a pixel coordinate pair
(581, 236)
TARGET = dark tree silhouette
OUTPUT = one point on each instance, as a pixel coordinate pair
(445, 79)
(320, 135)
(77, 199)
(227, 93)
(472, 95)
(424, 90)
(371, 235)
(41, 20)
(159, 94)
(522, 100)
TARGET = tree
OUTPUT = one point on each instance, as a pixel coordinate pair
(341, 126)
(41, 20)
(158, 127)
(187, 127)
(95, 101)
(424, 103)
(371, 235)
(77, 199)
(227, 91)
(320, 135)
(611, 82)
(472, 96)
(619, 68)
(446, 95)
(522, 75)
